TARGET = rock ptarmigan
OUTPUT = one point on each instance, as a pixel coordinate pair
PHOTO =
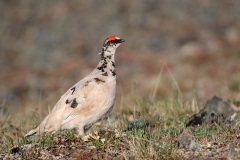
(89, 100)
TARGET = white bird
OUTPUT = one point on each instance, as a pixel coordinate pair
(89, 100)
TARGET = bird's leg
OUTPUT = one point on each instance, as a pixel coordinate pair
(81, 131)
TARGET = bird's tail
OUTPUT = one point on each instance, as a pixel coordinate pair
(39, 129)
(32, 132)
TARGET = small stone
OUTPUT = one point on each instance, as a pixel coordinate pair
(194, 145)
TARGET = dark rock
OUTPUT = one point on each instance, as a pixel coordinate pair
(139, 123)
(215, 110)
(15, 150)
(233, 120)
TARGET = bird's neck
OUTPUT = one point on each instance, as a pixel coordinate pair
(107, 63)
(108, 54)
(108, 58)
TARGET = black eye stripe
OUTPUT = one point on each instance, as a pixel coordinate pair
(116, 41)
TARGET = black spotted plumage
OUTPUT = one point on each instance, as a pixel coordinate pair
(73, 89)
(74, 103)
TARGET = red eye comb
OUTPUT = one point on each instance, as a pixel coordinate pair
(112, 38)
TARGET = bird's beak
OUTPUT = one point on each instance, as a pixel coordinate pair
(120, 40)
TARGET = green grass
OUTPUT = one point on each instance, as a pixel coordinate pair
(157, 140)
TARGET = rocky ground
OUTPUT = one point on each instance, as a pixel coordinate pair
(212, 133)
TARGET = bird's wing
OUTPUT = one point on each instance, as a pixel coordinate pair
(77, 99)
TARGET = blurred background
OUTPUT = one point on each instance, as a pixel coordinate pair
(187, 47)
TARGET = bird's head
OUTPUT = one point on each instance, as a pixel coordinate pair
(113, 42)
